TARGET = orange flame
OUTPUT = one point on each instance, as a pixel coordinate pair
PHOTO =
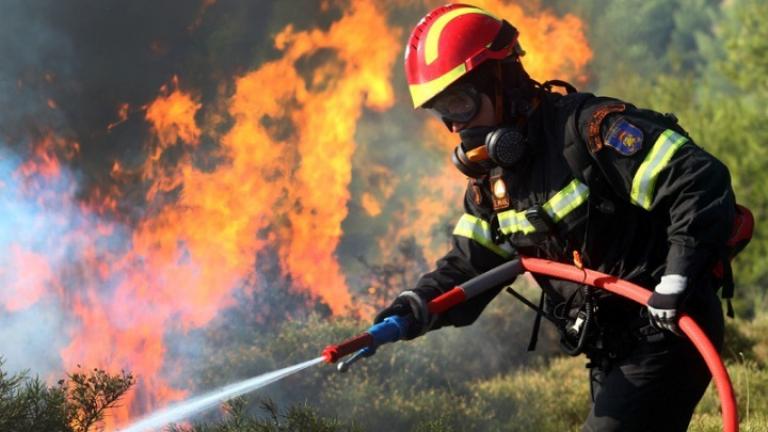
(172, 117)
(555, 47)
(284, 184)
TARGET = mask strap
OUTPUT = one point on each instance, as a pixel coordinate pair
(499, 105)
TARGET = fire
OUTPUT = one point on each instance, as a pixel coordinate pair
(556, 47)
(172, 116)
(370, 204)
(30, 274)
(122, 115)
(283, 184)
(326, 128)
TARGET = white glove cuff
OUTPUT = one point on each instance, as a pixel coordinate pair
(672, 284)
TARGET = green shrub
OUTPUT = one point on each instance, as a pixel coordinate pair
(296, 418)
(552, 397)
(75, 404)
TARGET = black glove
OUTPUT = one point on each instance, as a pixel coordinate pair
(409, 304)
(664, 304)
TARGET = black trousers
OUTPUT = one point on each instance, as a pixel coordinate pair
(657, 386)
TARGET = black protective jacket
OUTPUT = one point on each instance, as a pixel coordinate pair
(625, 187)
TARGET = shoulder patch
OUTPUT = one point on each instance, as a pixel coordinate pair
(595, 137)
(624, 137)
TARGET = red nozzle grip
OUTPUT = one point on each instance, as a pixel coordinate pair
(447, 300)
(333, 353)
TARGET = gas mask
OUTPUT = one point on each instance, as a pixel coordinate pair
(483, 147)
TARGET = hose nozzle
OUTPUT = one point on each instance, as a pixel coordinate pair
(344, 365)
(392, 329)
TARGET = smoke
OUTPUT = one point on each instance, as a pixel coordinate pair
(38, 241)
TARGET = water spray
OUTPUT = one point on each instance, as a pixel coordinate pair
(393, 328)
(190, 407)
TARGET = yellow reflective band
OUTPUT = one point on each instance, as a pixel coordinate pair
(558, 207)
(644, 183)
(478, 230)
(512, 221)
(432, 42)
(565, 201)
(420, 93)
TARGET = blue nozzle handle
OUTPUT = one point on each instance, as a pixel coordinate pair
(391, 329)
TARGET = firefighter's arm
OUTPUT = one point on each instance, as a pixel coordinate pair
(659, 169)
(651, 162)
(473, 252)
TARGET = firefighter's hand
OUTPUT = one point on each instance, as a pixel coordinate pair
(410, 304)
(664, 304)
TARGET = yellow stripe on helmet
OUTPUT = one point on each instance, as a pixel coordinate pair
(431, 45)
(420, 93)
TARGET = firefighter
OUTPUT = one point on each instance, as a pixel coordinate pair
(620, 189)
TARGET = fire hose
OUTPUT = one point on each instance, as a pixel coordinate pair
(393, 328)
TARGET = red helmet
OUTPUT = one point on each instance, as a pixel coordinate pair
(449, 42)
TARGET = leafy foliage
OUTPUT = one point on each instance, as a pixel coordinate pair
(296, 418)
(76, 404)
(90, 395)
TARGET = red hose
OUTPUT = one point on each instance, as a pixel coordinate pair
(641, 295)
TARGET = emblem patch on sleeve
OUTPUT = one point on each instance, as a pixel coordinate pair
(624, 137)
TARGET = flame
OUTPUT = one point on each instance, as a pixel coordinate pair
(438, 193)
(172, 116)
(370, 204)
(122, 115)
(380, 184)
(283, 184)
(326, 128)
(556, 47)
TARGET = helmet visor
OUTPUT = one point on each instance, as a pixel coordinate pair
(458, 103)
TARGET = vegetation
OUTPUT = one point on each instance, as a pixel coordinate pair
(452, 381)
(416, 386)
(75, 404)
